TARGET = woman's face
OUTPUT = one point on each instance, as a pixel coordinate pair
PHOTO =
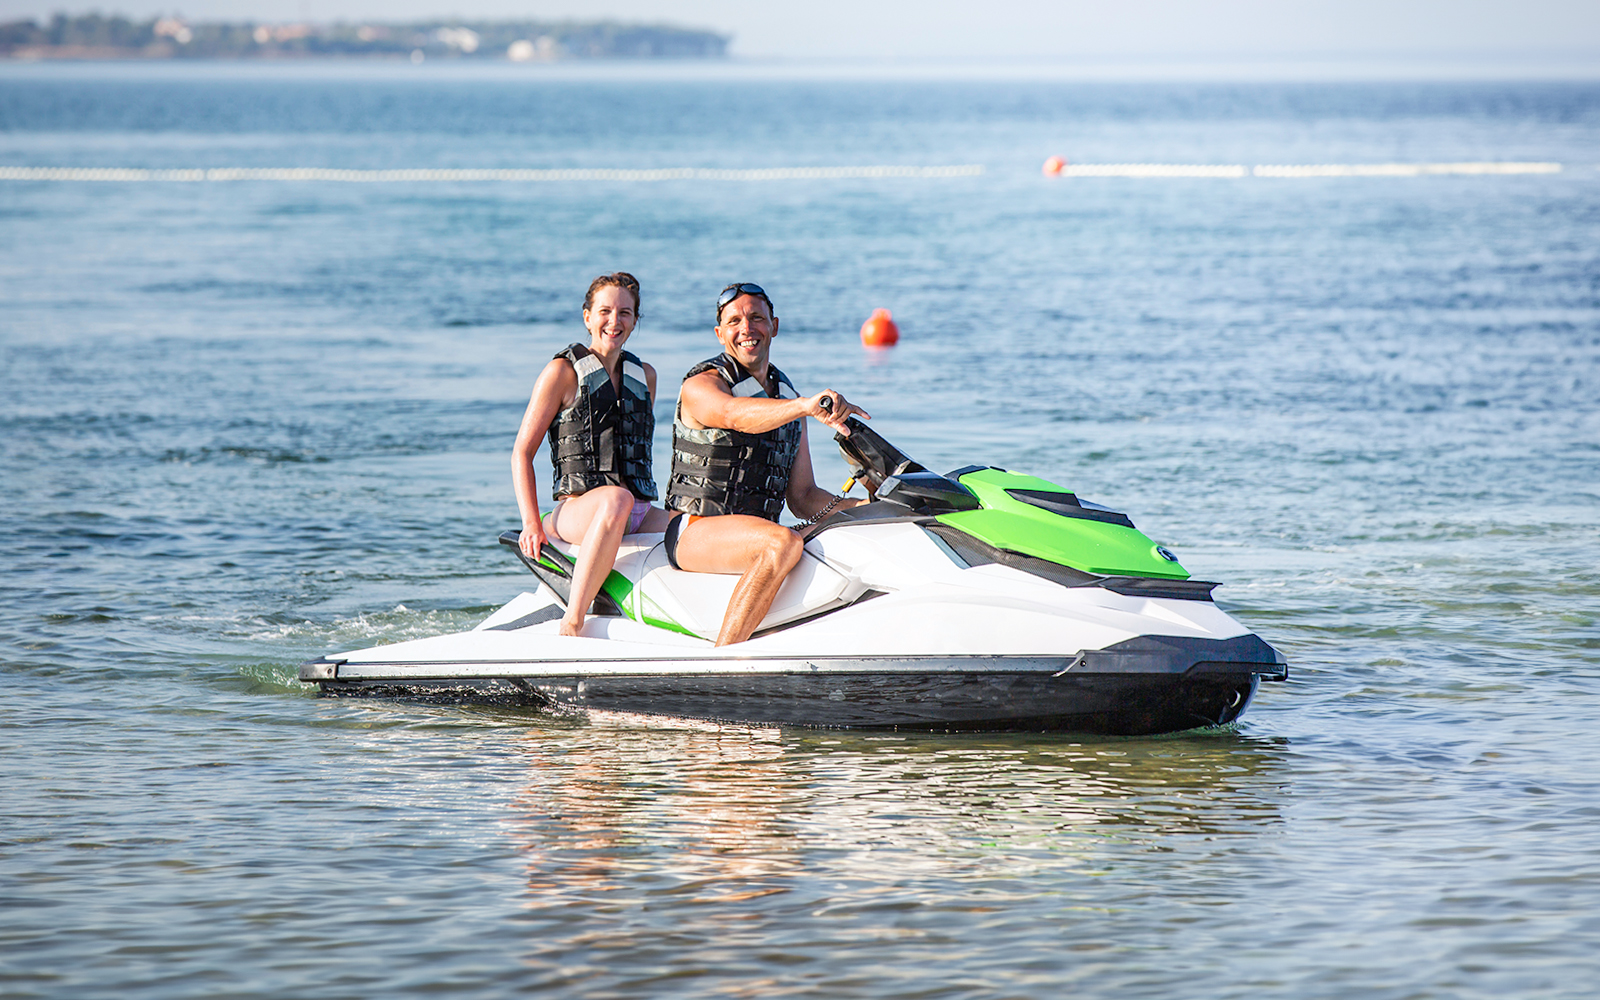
(610, 317)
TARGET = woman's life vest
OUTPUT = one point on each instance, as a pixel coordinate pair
(603, 439)
(716, 471)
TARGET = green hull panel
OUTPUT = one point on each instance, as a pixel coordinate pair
(633, 603)
(1090, 546)
(639, 607)
(620, 589)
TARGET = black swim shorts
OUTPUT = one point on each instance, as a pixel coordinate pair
(674, 526)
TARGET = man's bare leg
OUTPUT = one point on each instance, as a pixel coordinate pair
(761, 551)
(596, 521)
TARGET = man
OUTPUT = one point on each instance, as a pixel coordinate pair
(739, 451)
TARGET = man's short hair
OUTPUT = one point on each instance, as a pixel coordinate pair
(738, 288)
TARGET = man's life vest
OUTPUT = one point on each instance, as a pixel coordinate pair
(716, 471)
(603, 439)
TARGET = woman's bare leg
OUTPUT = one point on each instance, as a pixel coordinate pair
(595, 522)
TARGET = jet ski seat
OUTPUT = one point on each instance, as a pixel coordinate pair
(696, 602)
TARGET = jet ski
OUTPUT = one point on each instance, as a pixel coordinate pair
(979, 600)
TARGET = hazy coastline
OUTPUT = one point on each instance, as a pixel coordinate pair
(98, 37)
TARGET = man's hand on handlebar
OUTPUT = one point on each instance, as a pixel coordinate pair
(833, 409)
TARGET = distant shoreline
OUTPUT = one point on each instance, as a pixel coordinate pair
(93, 37)
(1417, 69)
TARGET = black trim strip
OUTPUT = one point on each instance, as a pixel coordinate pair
(866, 595)
(545, 614)
(976, 552)
(1068, 505)
(1145, 586)
(877, 512)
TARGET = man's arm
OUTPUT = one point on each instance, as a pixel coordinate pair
(706, 401)
(805, 497)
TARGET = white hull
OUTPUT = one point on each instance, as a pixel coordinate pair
(882, 625)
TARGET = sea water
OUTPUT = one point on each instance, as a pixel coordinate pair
(246, 423)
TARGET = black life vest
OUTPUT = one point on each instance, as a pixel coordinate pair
(603, 439)
(716, 471)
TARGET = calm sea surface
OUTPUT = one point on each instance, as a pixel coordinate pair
(242, 424)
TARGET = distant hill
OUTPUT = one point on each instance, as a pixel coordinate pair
(93, 36)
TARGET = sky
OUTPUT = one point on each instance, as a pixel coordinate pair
(1002, 30)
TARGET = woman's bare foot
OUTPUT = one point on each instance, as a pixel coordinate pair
(569, 628)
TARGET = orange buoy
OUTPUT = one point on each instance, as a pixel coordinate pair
(879, 330)
(1054, 166)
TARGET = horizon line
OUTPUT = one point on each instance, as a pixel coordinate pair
(1576, 66)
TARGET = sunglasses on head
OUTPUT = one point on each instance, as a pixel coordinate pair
(737, 289)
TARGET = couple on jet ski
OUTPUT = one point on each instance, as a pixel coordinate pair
(739, 452)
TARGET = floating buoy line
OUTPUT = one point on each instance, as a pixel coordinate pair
(1054, 167)
(227, 174)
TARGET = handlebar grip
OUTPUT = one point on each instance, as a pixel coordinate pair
(826, 402)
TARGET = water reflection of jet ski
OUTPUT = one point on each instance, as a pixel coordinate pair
(980, 600)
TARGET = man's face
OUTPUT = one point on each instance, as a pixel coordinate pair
(746, 331)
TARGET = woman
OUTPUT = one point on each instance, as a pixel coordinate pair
(595, 404)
